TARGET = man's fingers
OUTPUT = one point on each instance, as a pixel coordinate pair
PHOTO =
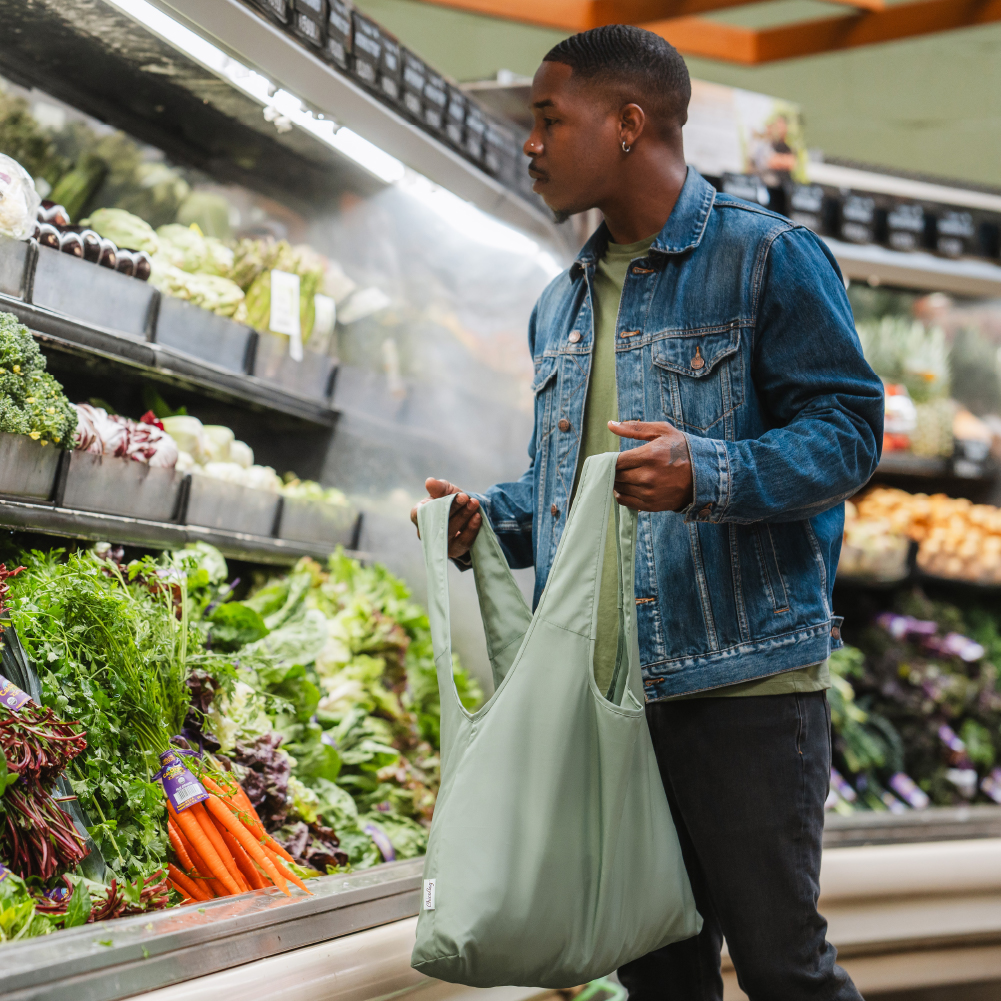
(643, 430)
(461, 543)
(633, 458)
(631, 502)
(439, 488)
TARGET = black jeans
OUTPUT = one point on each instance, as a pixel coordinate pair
(746, 779)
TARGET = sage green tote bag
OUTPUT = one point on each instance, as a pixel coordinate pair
(553, 858)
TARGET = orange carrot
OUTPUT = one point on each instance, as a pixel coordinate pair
(199, 841)
(212, 833)
(240, 804)
(186, 885)
(285, 871)
(174, 886)
(182, 853)
(254, 879)
(198, 866)
(221, 812)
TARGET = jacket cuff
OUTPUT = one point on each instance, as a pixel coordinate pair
(710, 479)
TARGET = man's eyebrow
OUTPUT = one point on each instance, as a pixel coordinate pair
(547, 103)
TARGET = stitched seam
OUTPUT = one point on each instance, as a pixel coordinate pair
(819, 557)
(700, 579)
(810, 630)
(759, 267)
(778, 570)
(738, 584)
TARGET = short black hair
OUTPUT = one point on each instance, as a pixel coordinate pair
(629, 59)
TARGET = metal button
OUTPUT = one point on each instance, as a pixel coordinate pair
(555, 511)
(835, 633)
(574, 336)
(698, 361)
(706, 511)
(564, 424)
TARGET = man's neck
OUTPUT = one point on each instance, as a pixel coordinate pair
(644, 195)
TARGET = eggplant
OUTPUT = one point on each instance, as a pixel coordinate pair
(70, 243)
(109, 254)
(126, 263)
(54, 214)
(144, 265)
(48, 235)
(91, 246)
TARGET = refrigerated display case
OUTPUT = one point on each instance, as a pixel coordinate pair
(426, 373)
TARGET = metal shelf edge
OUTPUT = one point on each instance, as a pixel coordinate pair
(63, 332)
(98, 527)
(168, 947)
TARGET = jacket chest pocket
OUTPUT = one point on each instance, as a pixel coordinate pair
(700, 379)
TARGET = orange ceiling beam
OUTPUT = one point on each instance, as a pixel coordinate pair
(871, 23)
(580, 15)
(712, 40)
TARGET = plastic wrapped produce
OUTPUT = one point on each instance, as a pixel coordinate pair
(871, 550)
(958, 539)
(19, 201)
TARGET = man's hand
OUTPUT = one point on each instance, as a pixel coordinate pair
(656, 476)
(464, 520)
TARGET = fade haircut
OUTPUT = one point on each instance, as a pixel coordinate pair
(630, 64)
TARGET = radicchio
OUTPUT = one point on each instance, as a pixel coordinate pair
(101, 433)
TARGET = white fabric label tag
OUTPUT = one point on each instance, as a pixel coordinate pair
(285, 310)
(429, 894)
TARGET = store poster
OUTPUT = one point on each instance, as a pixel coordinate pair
(733, 131)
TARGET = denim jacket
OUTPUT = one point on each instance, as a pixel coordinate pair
(736, 329)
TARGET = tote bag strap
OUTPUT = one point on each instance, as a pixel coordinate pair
(506, 616)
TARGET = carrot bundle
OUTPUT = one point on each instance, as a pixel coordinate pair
(222, 848)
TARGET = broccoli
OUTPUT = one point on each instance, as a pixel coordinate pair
(32, 402)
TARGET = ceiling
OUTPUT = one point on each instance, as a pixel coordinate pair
(708, 28)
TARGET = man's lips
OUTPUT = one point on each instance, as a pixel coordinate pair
(537, 175)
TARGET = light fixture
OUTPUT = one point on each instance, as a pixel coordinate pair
(257, 86)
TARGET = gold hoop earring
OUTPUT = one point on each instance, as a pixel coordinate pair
(625, 148)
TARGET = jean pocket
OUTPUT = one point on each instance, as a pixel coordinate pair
(700, 377)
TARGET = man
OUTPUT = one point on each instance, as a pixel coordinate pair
(721, 334)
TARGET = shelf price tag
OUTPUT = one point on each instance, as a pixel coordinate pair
(285, 310)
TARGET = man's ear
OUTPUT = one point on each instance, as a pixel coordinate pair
(632, 122)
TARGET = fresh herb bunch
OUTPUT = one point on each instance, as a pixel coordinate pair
(31, 401)
(113, 654)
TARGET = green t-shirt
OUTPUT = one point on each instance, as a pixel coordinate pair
(601, 407)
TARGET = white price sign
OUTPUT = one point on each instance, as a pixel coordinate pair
(285, 310)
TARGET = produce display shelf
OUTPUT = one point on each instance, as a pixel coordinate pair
(130, 956)
(934, 824)
(48, 519)
(926, 467)
(163, 364)
(915, 269)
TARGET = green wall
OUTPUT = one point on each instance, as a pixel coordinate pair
(932, 104)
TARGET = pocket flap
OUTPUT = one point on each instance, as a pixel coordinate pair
(545, 372)
(695, 353)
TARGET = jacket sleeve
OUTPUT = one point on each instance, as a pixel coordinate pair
(823, 402)
(510, 506)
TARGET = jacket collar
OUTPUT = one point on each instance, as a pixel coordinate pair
(682, 231)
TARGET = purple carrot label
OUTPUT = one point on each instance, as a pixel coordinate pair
(11, 696)
(4, 872)
(182, 788)
(383, 843)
